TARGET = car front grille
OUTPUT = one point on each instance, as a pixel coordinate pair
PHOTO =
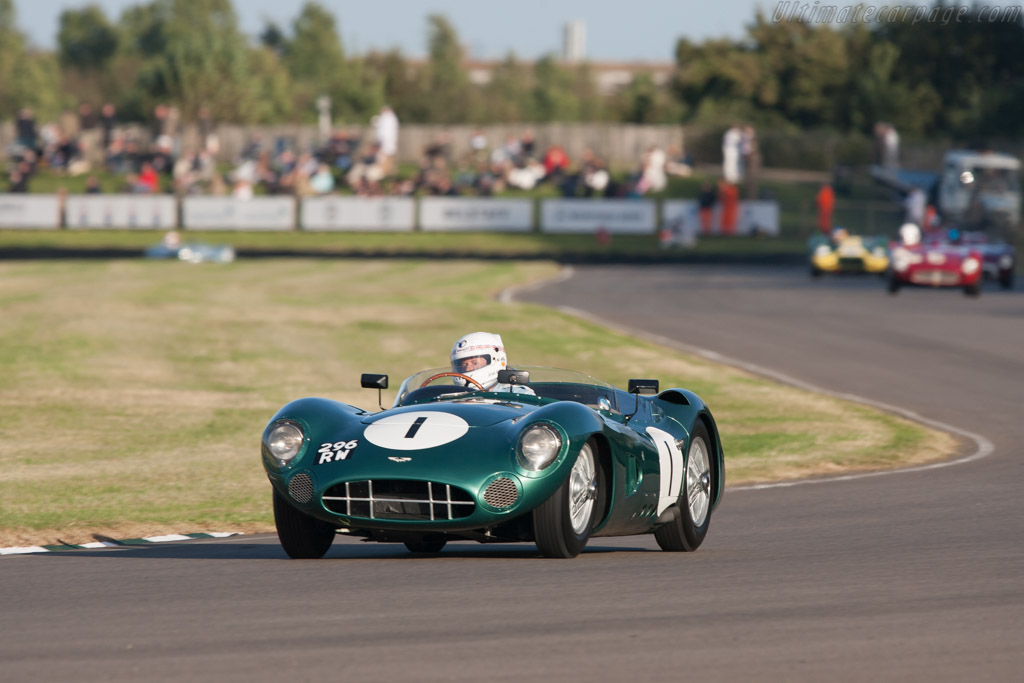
(851, 264)
(934, 277)
(399, 499)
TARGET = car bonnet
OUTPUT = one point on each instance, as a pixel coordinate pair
(429, 425)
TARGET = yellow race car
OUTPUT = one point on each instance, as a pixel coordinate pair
(845, 253)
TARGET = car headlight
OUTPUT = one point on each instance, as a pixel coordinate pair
(284, 441)
(878, 252)
(538, 447)
(970, 265)
(1005, 261)
(822, 251)
(900, 260)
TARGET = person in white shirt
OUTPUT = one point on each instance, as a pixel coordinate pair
(387, 135)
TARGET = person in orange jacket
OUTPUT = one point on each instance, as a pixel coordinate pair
(826, 205)
(729, 196)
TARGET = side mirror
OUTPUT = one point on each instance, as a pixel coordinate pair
(513, 377)
(644, 386)
(371, 380)
(641, 386)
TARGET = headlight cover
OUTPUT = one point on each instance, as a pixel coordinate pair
(538, 446)
(970, 265)
(283, 441)
(821, 251)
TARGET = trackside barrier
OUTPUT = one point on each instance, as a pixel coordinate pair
(120, 212)
(752, 218)
(378, 214)
(616, 216)
(229, 213)
(367, 214)
(450, 214)
(30, 211)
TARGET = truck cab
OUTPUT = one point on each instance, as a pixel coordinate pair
(979, 189)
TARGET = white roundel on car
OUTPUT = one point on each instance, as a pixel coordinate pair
(415, 430)
(670, 466)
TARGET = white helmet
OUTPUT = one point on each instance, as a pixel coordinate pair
(910, 234)
(479, 355)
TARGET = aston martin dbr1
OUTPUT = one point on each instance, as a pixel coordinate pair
(848, 254)
(552, 458)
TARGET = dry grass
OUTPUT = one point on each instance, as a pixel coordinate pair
(133, 394)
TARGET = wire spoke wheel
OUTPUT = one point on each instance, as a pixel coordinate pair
(562, 524)
(582, 488)
(698, 482)
(688, 525)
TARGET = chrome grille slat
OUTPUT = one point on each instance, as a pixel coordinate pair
(399, 499)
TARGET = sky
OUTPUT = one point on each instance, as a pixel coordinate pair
(622, 30)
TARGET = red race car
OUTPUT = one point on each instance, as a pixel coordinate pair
(933, 263)
(998, 258)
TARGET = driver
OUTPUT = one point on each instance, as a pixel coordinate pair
(479, 356)
(910, 234)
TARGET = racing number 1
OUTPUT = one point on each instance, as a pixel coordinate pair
(415, 427)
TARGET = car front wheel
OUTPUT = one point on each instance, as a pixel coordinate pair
(562, 523)
(691, 517)
(894, 284)
(302, 537)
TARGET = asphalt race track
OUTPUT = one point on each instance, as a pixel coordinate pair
(916, 575)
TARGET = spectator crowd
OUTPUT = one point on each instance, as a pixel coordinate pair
(157, 161)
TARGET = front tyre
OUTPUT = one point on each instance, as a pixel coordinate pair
(692, 515)
(1006, 279)
(894, 284)
(972, 290)
(562, 523)
(302, 537)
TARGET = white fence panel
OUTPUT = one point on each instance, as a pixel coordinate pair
(759, 218)
(228, 213)
(371, 214)
(617, 216)
(465, 214)
(121, 212)
(32, 212)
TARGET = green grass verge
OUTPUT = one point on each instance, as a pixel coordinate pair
(415, 243)
(134, 393)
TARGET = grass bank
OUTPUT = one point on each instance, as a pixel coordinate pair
(134, 393)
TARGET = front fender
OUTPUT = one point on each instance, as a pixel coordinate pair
(315, 416)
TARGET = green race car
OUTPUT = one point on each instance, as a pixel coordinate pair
(554, 459)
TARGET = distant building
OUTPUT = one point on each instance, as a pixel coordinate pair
(574, 44)
(609, 77)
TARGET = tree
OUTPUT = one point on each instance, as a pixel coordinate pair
(504, 97)
(401, 86)
(451, 97)
(27, 78)
(86, 40)
(553, 98)
(192, 53)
